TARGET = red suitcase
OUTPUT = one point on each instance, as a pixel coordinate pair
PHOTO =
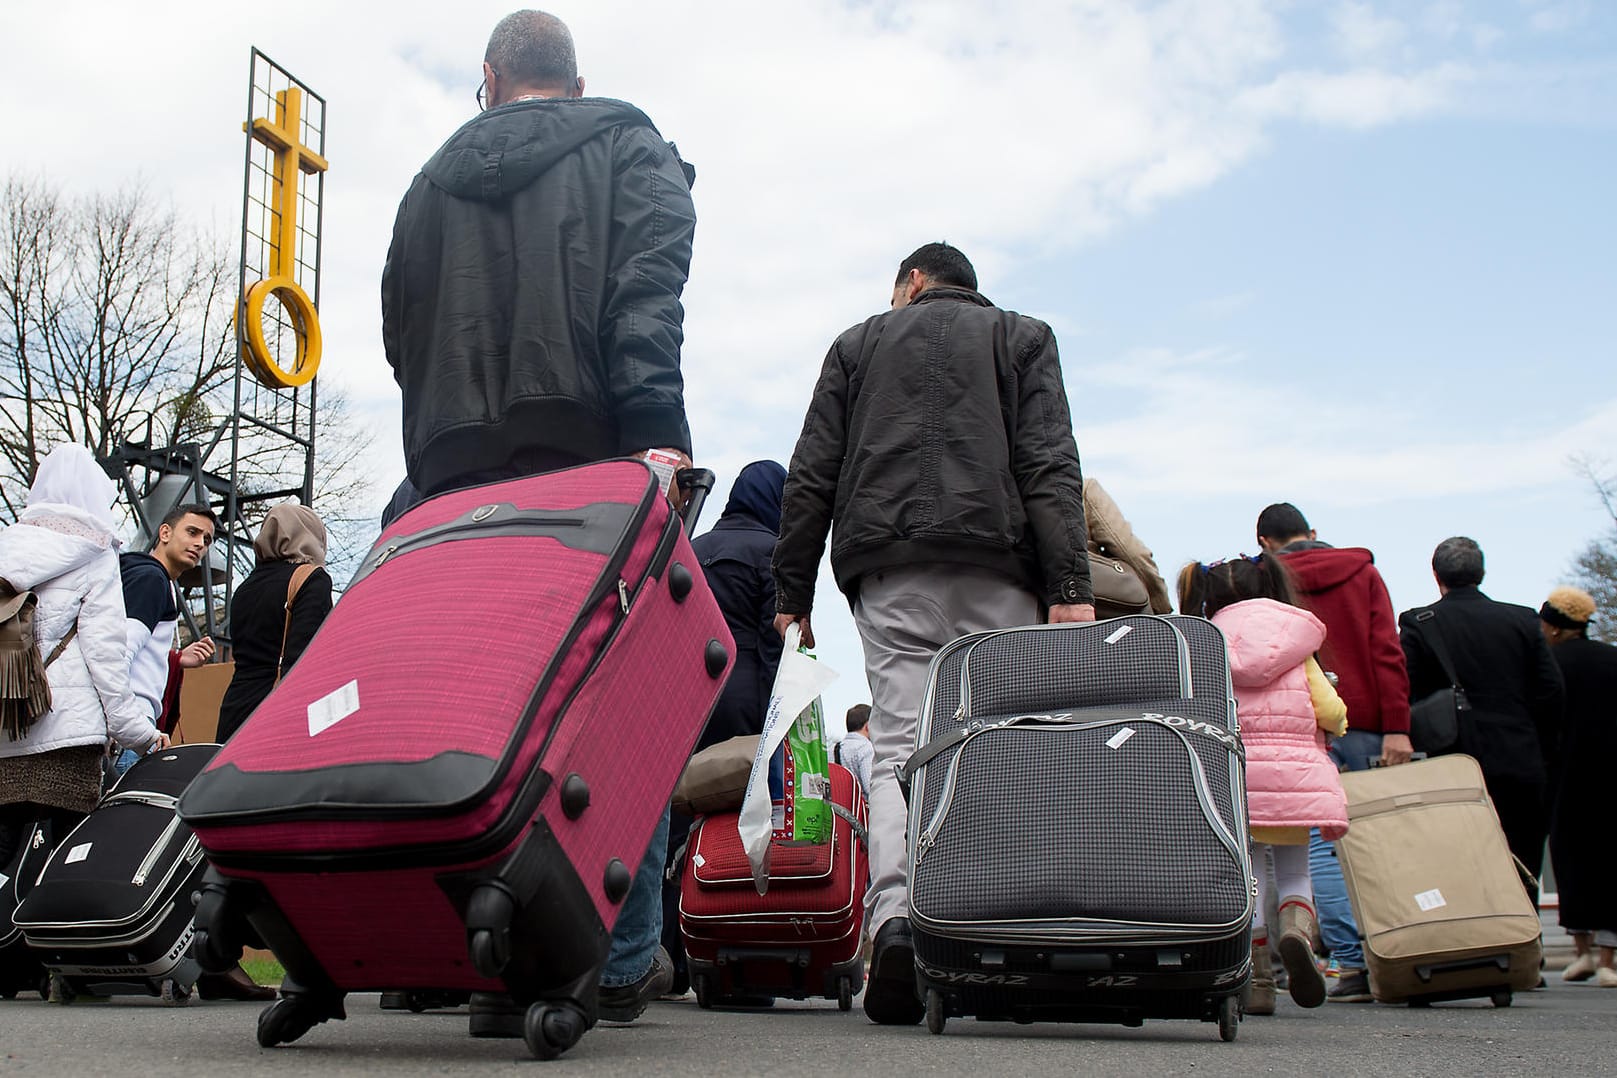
(452, 788)
(802, 938)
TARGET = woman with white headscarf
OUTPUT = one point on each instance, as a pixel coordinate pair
(264, 642)
(62, 548)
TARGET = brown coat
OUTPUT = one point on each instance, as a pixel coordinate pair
(1111, 538)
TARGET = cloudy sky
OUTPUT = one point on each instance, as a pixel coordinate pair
(1359, 256)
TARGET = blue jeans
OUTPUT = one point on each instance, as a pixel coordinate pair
(1337, 928)
(640, 922)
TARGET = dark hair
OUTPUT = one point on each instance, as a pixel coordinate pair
(1206, 589)
(858, 716)
(533, 48)
(1282, 520)
(1457, 562)
(944, 264)
(189, 509)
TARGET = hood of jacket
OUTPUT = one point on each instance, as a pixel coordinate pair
(31, 554)
(1321, 568)
(501, 151)
(1267, 638)
(756, 494)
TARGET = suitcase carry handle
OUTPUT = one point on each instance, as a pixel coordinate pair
(1501, 962)
(697, 483)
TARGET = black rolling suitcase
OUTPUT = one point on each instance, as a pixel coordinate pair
(111, 913)
(1077, 827)
(20, 969)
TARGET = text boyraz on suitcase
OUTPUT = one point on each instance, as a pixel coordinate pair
(111, 911)
(799, 939)
(453, 787)
(1437, 894)
(1077, 827)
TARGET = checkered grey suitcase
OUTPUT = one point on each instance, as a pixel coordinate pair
(1077, 828)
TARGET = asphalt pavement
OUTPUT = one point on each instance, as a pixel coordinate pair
(1562, 1029)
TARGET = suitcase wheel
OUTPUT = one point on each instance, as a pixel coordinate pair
(1501, 997)
(551, 1028)
(936, 1019)
(60, 990)
(1229, 1018)
(174, 993)
(845, 994)
(704, 993)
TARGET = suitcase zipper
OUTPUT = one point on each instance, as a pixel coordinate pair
(504, 517)
(534, 786)
(928, 837)
(139, 879)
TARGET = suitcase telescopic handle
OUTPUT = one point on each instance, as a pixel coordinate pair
(697, 483)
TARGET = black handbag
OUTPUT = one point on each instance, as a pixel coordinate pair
(1434, 719)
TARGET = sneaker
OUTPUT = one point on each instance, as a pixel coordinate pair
(1353, 986)
(1580, 969)
(626, 1002)
(1606, 977)
(1333, 969)
(890, 998)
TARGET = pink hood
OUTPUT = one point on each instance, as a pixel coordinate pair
(1266, 639)
(1291, 781)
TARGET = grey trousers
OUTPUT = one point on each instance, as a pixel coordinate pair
(905, 616)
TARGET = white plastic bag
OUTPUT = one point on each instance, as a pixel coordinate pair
(798, 683)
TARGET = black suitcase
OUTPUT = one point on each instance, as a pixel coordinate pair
(111, 913)
(20, 970)
(1077, 827)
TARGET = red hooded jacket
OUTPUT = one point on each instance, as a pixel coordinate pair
(1342, 587)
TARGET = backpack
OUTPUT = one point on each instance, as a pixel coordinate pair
(25, 690)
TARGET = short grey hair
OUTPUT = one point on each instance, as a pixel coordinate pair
(532, 48)
(1457, 562)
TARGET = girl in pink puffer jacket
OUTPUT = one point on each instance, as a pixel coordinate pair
(1286, 706)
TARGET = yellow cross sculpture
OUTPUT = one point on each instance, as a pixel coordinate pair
(282, 136)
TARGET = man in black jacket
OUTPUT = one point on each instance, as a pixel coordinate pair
(1511, 681)
(531, 314)
(531, 298)
(940, 444)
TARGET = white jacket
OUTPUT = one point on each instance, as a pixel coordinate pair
(75, 575)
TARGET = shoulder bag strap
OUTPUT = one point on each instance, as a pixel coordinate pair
(61, 645)
(1439, 646)
(299, 575)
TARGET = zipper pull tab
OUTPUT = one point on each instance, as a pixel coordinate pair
(623, 595)
(386, 553)
(39, 839)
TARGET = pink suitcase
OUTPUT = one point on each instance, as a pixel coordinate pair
(452, 788)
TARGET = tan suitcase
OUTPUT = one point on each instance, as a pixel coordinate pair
(1439, 899)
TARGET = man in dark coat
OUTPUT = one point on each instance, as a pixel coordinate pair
(939, 443)
(531, 296)
(1580, 836)
(1513, 727)
(531, 314)
(735, 557)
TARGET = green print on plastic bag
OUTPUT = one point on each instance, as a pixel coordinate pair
(808, 769)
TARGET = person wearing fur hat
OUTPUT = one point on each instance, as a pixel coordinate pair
(1580, 842)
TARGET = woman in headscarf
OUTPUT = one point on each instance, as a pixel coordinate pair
(735, 556)
(264, 641)
(62, 548)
